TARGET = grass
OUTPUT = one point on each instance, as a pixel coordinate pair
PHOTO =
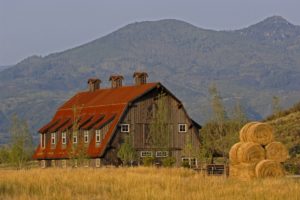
(137, 183)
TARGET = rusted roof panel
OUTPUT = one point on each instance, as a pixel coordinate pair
(95, 109)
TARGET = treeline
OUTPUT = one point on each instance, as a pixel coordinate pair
(20, 148)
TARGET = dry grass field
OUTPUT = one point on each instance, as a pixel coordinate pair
(138, 183)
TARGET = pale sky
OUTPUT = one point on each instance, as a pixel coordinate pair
(40, 27)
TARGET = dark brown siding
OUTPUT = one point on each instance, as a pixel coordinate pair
(139, 119)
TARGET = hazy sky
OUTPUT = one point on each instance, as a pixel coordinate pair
(40, 27)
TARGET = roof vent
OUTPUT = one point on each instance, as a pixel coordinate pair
(94, 84)
(140, 78)
(116, 81)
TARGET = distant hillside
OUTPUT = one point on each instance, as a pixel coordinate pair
(249, 65)
(287, 128)
(3, 67)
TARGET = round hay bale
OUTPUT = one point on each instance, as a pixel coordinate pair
(244, 129)
(233, 153)
(242, 171)
(261, 133)
(277, 151)
(250, 152)
(268, 168)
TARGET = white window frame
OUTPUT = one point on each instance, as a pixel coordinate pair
(179, 128)
(64, 138)
(53, 138)
(190, 159)
(125, 128)
(144, 154)
(75, 139)
(98, 136)
(43, 163)
(86, 136)
(161, 154)
(43, 140)
(64, 163)
(98, 162)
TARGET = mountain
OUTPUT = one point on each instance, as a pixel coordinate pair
(3, 67)
(249, 66)
(273, 29)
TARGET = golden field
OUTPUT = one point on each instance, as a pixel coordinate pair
(138, 183)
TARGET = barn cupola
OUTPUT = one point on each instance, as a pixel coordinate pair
(116, 81)
(94, 84)
(140, 78)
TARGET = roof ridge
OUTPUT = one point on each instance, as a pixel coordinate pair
(118, 88)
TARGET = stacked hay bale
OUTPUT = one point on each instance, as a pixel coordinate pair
(257, 154)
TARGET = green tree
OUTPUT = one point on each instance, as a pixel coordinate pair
(21, 143)
(78, 151)
(4, 155)
(221, 132)
(126, 152)
(189, 149)
(159, 131)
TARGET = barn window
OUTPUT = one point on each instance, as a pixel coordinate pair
(86, 136)
(192, 162)
(53, 138)
(63, 163)
(98, 135)
(63, 138)
(182, 128)
(161, 154)
(124, 128)
(75, 138)
(146, 153)
(98, 162)
(43, 164)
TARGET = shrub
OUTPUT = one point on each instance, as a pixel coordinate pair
(148, 161)
(168, 161)
(185, 164)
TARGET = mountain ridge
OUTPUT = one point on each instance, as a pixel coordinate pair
(185, 58)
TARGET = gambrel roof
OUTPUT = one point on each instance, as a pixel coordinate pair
(94, 110)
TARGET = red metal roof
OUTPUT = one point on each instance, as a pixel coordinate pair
(58, 125)
(91, 107)
(92, 122)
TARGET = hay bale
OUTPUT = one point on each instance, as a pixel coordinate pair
(268, 168)
(242, 171)
(244, 130)
(250, 152)
(261, 133)
(277, 151)
(233, 153)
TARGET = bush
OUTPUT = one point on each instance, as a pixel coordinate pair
(168, 161)
(4, 155)
(185, 164)
(148, 161)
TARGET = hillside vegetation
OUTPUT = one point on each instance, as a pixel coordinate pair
(249, 65)
(137, 183)
(287, 129)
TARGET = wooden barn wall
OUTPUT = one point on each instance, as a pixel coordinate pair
(139, 118)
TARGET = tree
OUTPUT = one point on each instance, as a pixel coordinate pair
(159, 132)
(21, 143)
(189, 149)
(221, 132)
(78, 151)
(126, 152)
(4, 155)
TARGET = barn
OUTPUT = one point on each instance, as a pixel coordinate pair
(93, 124)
